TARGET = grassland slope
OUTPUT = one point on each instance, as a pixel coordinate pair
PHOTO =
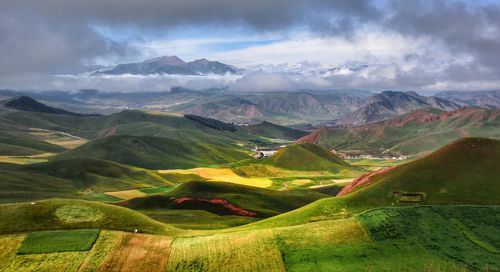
(263, 202)
(464, 172)
(154, 152)
(75, 214)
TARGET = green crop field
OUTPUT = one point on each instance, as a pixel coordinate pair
(466, 235)
(58, 241)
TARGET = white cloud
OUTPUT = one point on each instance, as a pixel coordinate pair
(369, 47)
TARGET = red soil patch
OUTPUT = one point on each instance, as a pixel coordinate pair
(363, 179)
(216, 201)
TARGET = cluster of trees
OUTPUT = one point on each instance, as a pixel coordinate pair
(212, 123)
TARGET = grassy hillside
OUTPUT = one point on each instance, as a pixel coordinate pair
(15, 145)
(127, 122)
(308, 157)
(418, 132)
(18, 186)
(99, 175)
(464, 235)
(154, 152)
(76, 178)
(462, 173)
(75, 214)
(262, 202)
(270, 130)
(426, 238)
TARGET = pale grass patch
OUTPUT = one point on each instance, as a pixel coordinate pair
(333, 181)
(164, 113)
(324, 233)
(301, 181)
(58, 137)
(127, 194)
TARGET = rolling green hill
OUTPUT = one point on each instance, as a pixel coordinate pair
(308, 157)
(463, 172)
(270, 130)
(16, 145)
(16, 186)
(75, 214)
(73, 178)
(153, 152)
(262, 202)
(99, 175)
(127, 122)
(421, 131)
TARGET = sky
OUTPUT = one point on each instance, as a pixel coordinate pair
(418, 45)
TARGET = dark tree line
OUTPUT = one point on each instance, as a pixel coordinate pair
(212, 123)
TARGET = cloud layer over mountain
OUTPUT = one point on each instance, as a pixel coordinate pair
(404, 44)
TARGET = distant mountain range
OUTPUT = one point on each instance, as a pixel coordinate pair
(171, 65)
(341, 108)
(483, 99)
(421, 131)
(389, 104)
(330, 107)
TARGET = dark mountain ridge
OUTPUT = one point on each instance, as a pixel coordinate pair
(171, 65)
(25, 103)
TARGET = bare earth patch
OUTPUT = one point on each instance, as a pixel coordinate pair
(139, 252)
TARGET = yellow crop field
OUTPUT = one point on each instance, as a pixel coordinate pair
(26, 159)
(9, 261)
(243, 251)
(334, 181)
(127, 194)
(301, 181)
(223, 175)
(106, 242)
(138, 252)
